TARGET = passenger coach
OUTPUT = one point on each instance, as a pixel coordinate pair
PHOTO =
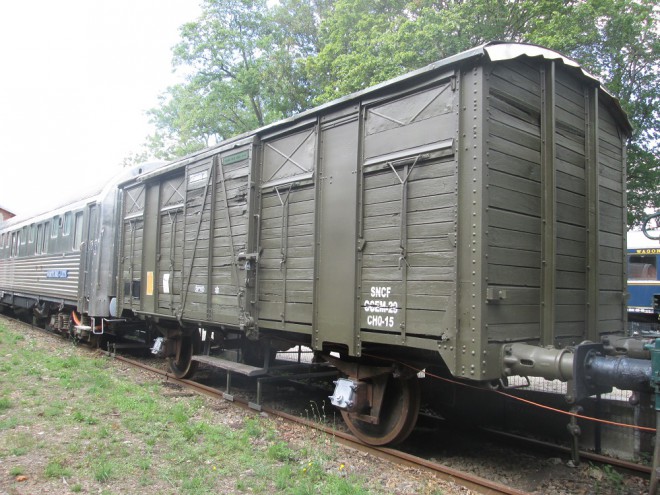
(643, 281)
(60, 266)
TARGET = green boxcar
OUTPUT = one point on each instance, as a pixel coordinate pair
(437, 217)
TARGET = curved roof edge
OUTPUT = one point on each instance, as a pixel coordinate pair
(495, 51)
(500, 50)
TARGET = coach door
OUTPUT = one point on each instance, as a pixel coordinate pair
(170, 244)
(89, 251)
(132, 240)
(336, 236)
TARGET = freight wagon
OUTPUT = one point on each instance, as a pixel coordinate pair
(463, 218)
(466, 219)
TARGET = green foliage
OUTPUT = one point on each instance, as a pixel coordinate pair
(618, 40)
(84, 418)
(17, 443)
(364, 43)
(246, 68)
(250, 62)
(253, 428)
(280, 451)
(16, 471)
(104, 469)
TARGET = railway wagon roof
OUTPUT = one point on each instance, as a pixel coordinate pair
(489, 52)
(637, 240)
(96, 194)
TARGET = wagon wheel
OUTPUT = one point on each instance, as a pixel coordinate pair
(398, 414)
(181, 364)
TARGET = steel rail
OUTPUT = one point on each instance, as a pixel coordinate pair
(630, 466)
(446, 473)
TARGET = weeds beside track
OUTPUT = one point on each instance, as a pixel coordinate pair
(71, 422)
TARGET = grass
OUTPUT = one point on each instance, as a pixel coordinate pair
(82, 422)
(56, 468)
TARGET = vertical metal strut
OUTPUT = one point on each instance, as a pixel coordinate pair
(284, 244)
(548, 206)
(403, 238)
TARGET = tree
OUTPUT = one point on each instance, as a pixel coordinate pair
(247, 69)
(622, 47)
(617, 40)
(364, 43)
(251, 63)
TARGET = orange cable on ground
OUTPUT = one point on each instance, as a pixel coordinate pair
(542, 406)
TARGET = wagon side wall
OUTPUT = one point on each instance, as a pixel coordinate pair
(454, 212)
(546, 229)
(181, 235)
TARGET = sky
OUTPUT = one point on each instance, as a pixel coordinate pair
(76, 78)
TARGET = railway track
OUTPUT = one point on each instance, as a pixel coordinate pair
(469, 480)
(476, 483)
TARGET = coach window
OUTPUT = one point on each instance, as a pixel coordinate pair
(44, 244)
(15, 240)
(66, 229)
(642, 268)
(40, 238)
(32, 234)
(78, 231)
(56, 225)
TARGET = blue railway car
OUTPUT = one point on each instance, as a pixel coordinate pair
(643, 278)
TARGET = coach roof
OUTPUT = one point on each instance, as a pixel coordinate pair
(494, 51)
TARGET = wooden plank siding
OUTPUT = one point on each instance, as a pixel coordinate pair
(287, 229)
(612, 193)
(514, 207)
(286, 268)
(571, 260)
(225, 277)
(170, 264)
(132, 241)
(419, 299)
(514, 201)
(457, 209)
(408, 261)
